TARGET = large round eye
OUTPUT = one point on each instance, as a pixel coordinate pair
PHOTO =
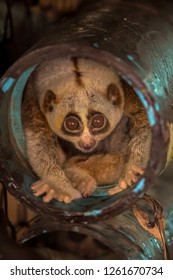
(98, 121)
(72, 123)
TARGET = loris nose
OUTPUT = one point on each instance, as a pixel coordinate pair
(87, 142)
(88, 146)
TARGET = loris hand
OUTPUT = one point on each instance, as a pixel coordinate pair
(42, 188)
(131, 176)
(81, 180)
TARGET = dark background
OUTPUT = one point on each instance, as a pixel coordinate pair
(22, 23)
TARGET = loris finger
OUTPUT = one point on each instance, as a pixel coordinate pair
(122, 185)
(49, 195)
(133, 174)
(131, 178)
(37, 185)
(53, 195)
(114, 190)
(40, 189)
(137, 169)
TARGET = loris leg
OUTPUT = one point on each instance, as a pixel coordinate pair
(139, 149)
(99, 169)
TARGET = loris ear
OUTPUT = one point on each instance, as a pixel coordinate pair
(113, 94)
(49, 100)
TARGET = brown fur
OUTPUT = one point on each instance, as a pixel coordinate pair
(67, 170)
(105, 168)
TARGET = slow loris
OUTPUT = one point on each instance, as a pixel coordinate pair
(84, 127)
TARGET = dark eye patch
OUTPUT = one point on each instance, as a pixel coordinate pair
(72, 125)
(98, 121)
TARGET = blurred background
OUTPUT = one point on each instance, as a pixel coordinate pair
(23, 22)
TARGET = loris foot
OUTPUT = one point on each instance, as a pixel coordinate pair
(132, 176)
(81, 181)
(42, 188)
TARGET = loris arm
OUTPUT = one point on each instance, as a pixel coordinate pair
(42, 156)
(45, 156)
(139, 149)
(140, 142)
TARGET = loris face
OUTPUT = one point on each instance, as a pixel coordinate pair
(85, 134)
(86, 108)
(84, 119)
